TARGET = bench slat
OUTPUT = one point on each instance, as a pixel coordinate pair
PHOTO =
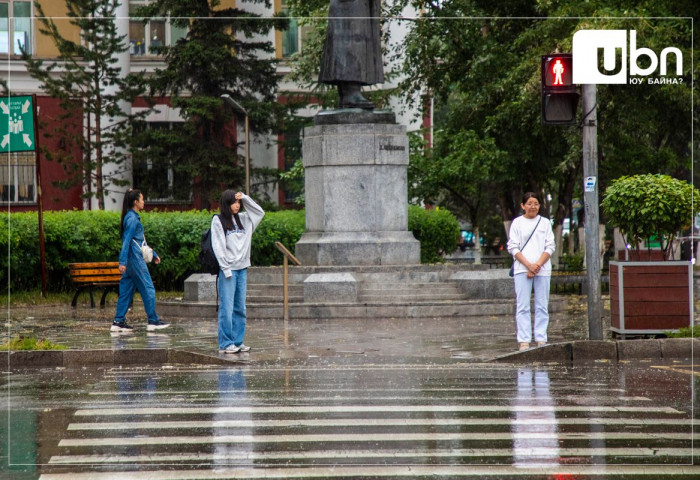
(93, 265)
(94, 271)
(98, 279)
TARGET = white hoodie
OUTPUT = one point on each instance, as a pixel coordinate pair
(232, 249)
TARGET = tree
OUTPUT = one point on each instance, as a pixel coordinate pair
(91, 87)
(226, 51)
(482, 65)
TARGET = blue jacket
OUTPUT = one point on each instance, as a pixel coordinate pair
(133, 230)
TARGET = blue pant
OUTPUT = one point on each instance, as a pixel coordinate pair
(523, 290)
(232, 319)
(136, 278)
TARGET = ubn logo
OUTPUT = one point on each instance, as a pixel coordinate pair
(588, 45)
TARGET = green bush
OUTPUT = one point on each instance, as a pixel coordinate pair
(572, 263)
(646, 206)
(436, 230)
(93, 236)
(285, 226)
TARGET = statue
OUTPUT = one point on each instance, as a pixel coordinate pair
(352, 54)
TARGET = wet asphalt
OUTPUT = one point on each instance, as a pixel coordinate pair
(396, 398)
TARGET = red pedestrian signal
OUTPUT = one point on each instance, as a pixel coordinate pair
(559, 94)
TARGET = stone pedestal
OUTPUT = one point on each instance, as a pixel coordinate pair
(356, 193)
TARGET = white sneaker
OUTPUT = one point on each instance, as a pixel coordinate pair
(152, 327)
(230, 349)
(244, 348)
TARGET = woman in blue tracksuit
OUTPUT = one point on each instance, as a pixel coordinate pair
(135, 275)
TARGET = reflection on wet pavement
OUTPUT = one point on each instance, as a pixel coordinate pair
(345, 418)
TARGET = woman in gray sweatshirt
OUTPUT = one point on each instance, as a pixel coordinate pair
(231, 234)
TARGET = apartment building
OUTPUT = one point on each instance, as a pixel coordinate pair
(18, 171)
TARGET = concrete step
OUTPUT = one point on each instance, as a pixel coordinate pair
(273, 289)
(416, 309)
(409, 297)
(252, 298)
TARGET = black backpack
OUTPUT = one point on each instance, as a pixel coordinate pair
(207, 258)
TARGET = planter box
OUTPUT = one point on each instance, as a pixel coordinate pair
(644, 255)
(650, 297)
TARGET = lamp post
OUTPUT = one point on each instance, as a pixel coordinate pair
(237, 107)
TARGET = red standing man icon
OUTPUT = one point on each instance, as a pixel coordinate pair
(558, 70)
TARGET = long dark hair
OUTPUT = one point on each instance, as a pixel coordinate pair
(130, 197)
(227, 218)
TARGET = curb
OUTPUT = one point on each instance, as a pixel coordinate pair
(96, 358)
(604, 350)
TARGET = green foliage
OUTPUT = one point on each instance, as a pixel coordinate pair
(30, 343)
(285, 226)
(643, 206)
(487, 92)
(437, 231)
(93, 236)
(572, 263)
(685, 332)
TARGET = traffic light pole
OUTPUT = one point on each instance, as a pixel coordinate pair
(590, 196)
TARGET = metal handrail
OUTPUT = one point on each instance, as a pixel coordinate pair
(285, 275)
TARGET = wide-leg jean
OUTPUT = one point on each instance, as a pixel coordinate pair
(232, 315)
(136, 278)
(523, 290)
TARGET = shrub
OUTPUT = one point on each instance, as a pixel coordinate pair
(93, 236)
(644, 206)
(436, 230)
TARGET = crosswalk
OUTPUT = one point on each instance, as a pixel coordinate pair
(378, 421)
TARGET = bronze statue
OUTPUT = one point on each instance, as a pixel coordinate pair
(352, 54)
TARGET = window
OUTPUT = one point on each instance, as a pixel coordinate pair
(18, 177)
(159, 179)
(290, 39)
(145, 38)
(15, 27)
(294, 36)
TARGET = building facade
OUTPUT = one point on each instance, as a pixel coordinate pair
(18, 178)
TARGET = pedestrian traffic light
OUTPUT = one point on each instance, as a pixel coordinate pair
(559, 94)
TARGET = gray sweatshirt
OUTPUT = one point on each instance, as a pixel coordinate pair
(232, 248)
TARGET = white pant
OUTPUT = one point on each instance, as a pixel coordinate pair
(523, 289)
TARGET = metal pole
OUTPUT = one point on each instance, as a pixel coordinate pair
(591, 205)
(247, 155)
(286, 290)
(39, 201)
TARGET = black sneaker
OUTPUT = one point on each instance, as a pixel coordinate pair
(157, 326)
(121, 327)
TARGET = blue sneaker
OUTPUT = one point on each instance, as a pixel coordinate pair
(157, 326)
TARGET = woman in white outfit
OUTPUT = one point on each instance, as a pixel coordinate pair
(531, 243)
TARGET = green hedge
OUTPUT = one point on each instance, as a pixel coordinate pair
(93, 236)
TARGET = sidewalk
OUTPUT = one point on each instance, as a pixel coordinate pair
(477, 338)
(470, 339)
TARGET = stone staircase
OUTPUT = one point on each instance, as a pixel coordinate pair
(417, 291)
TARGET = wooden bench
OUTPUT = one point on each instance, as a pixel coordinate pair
(91, 275)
